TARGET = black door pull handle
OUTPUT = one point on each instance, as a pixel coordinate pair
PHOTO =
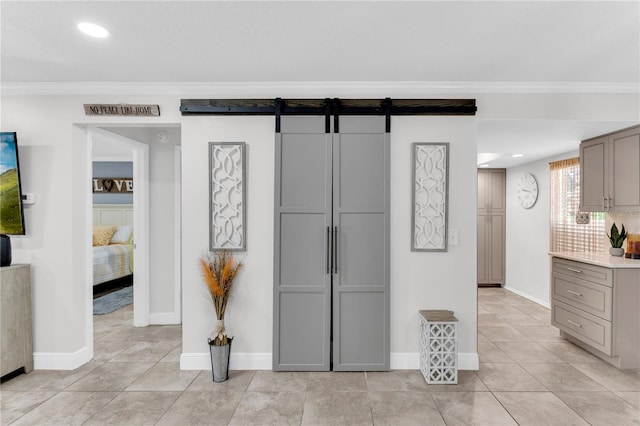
(335, 250)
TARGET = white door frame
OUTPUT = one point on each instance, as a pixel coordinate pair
(177, 158)
(140, 220)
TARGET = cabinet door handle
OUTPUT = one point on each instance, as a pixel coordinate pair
(328, 248)
(574, 323)
(579, 271)
(604, 203)
(575, 293)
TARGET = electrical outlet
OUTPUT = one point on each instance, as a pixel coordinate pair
(453, 237)
(582, 218)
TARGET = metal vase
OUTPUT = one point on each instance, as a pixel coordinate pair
(220, 360)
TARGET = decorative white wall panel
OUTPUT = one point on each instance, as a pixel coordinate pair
(227, 196)
(430, 196)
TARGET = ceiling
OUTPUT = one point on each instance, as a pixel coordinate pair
(444, 44)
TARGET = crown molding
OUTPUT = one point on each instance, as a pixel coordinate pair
(408, 89)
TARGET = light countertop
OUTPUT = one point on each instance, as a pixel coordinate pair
(599, 259)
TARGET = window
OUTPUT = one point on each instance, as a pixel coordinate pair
(566, 234)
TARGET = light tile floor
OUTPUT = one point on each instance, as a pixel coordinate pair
(528, 375)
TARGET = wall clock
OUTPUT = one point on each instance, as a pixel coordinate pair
(527, 190)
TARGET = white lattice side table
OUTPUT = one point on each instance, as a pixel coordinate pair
(439, 347)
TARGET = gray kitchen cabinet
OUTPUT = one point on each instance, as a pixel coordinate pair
(331, 245)
(491, 226)
(596, 307)
(491, 191)
(17, 340)
(609, 172)
(594, 167)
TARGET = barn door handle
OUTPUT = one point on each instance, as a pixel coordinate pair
(335, 250)
(328, 244)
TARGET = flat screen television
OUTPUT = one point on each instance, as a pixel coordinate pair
(11, 211)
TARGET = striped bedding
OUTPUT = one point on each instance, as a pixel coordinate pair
(111, 262)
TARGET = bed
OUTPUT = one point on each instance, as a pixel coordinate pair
(112, 244)
(111, 262)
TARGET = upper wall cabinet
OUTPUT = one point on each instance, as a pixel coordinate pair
(594, 169)
(610, 172)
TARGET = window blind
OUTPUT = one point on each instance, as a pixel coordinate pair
(566, 234)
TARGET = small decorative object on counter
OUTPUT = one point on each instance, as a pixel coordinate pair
(219, 270)
(633, 246)
(439, 347)
(617, 239)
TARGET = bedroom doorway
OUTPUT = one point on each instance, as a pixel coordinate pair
(106, 143)
(156, 153)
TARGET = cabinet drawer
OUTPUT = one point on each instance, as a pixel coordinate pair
(593, 298)
(588, 328)
(584, 271)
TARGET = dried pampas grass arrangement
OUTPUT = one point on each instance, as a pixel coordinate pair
(219, 270)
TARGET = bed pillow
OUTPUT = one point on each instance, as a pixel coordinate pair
(122, 235)
(102, 234)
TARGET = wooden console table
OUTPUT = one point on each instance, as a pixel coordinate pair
(15, 312)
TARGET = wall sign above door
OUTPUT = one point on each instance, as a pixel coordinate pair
(122, 109)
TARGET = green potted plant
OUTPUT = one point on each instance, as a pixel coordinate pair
(617, 238)
(219, 270)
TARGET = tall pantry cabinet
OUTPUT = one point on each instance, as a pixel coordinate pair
(491, 226)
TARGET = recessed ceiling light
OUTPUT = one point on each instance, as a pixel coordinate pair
(517, 155)
(93, 30)
(483, 165)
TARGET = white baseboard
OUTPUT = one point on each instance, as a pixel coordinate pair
(164, 318)
(262, 361)
(468, 361)
(61, 360)
(526, 296)
(237, 361)
(405, 360)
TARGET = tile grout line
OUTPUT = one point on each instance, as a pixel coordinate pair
(244, 392)
(505, 408)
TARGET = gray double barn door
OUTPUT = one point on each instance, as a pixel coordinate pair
(331, 270)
